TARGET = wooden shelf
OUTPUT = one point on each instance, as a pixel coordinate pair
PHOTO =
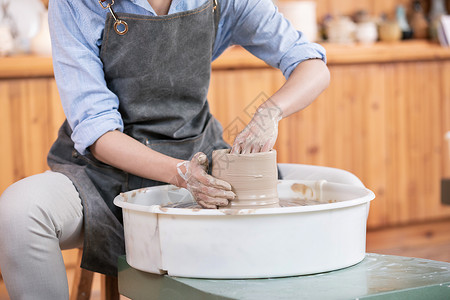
(413, 50)
(25, 66)
(238, 58)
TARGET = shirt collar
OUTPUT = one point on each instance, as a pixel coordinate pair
(144, 4)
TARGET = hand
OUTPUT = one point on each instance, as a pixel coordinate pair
(207, 190)
(260, 134)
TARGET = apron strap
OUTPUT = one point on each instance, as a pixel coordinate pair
(216, 5)
(120, 26)
(123, 29)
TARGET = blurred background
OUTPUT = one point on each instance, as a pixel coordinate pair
(385, 116)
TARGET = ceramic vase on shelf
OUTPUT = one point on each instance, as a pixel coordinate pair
(6, 40)
(24, 17)
(389, 31)
(302, 15)
(41, 44)
(403, 22)
(366, 32)
(7, 30)
(341, 30)
(418, 21)
(437, 10)
(366, 27)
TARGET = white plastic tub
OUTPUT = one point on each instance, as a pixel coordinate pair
(259, 243)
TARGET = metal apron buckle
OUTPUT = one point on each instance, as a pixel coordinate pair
(117, 22)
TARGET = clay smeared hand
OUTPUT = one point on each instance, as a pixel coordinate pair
(260, 134)
(207, 190)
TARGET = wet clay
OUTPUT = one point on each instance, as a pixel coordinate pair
(303, 189)
(253, 177)
(282, 203)
(304, 195)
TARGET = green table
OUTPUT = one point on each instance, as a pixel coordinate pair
(376, 277)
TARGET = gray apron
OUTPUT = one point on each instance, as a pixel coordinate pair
(160, 70)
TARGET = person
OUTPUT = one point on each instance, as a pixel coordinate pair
(133, 77)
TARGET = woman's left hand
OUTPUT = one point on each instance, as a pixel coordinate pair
(261, 133)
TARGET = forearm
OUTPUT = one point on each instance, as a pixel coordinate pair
(308, 80)
(123, 152)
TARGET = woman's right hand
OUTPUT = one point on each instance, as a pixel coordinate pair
(207, 190)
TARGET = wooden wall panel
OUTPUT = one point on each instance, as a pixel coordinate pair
(410, 143)
(370, 83)
(34, 95)
(396, 145)
(56, 113)
(7, 154)
(445, 114)
(30, 111)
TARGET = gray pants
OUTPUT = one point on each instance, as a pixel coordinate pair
(39, 216)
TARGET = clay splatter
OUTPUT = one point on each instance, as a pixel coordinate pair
(124, 196)
(301, 189)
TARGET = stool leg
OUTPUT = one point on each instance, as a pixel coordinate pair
(82, 282)
(110, 288)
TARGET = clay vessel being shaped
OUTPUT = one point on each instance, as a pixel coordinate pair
(253, 177)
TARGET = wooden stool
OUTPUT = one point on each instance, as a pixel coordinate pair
(82, 284)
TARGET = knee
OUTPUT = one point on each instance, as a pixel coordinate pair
(25, 201)
(15, 203)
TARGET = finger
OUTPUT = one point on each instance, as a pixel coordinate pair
(247, 148)
(252, 142)
(201, 159)
(206, 205)
(236, 149)
(267, 146)
(237, 146)
(224, 203)
(202, 178)
(217, 193)
(211, 181)
(217, 183)
(211, 192)
(240, 139)
(256, 148)
(212, 201)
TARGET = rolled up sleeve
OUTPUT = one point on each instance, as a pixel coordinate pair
(90, 107)
(265, 33)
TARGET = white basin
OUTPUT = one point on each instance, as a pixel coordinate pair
(247, 243)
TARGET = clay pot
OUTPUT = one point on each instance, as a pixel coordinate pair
(6, 40)
(253, 177)
(341, 30)
(366, 32)
(418, 21)
(419, 26)
(41, 43)
(403, 22)
(389, 31)
(302, 15)
(438, 9)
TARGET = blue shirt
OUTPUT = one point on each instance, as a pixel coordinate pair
(76, 28)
